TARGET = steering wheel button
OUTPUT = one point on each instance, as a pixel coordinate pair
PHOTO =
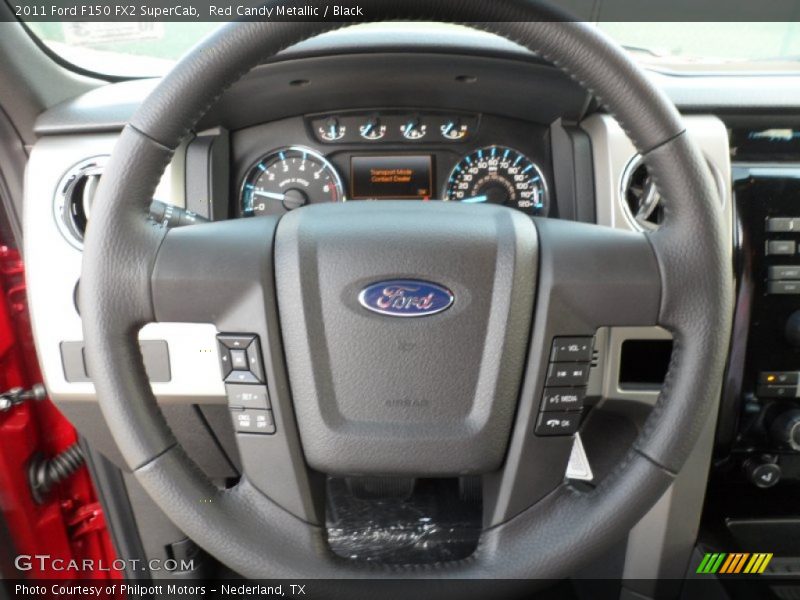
(571, 349)
(235, 341)
(253, 421)
(247, 396)
(225, 362)
(239, 360)
(254, 360)
(566, 374)
(242, 377)
(558, 423)
(561, 399)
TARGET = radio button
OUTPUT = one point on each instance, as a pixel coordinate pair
(567, 374)
(782, 225)
(783, 287)
(783, 272)
(561, 399)
(571, 349)
(781, 247)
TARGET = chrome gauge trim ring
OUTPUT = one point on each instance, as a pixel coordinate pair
(337, 179)
(545, 191)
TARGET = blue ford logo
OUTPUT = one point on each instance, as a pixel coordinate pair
(405, 298)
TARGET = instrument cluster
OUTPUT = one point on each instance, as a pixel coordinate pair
(394, 155)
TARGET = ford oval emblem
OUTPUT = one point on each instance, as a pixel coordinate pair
(406, 298)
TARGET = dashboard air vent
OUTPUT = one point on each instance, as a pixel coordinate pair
(640, 198)
(74, 196)
(641, 201)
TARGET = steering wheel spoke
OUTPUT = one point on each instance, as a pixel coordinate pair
(222, 273)
(594, 276)
(215, 273)
(589, 277)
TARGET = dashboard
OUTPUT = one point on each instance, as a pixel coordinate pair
(392, 154)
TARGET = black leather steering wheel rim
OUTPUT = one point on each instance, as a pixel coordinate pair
(242, 527)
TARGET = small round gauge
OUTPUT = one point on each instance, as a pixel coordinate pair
(332, 130)
(498, 175)
(287, 179)
(414, 129)
(373, 129)
(454, 129)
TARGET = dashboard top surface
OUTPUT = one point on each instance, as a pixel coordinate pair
(395, 49)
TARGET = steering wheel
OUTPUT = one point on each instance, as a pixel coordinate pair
(359, 393)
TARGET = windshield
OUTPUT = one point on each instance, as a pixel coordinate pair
(129, 49)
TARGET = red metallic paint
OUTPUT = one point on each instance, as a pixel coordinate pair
(70, 524)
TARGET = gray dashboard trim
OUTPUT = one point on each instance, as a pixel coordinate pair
(468, 82)
(108, 107)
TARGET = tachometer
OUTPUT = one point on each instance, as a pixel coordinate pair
(498, 175)
(287, 179)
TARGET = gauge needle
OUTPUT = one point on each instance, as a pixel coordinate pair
(475, 199)
(270, 195)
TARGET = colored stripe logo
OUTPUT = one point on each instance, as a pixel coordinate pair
(734, 563)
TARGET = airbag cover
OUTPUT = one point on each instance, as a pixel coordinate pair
(379, 393)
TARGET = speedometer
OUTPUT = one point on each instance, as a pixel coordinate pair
(498, 175)
(287, 179)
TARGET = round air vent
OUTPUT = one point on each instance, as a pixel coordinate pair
(74, 196)
(640, 198)
(641, 201)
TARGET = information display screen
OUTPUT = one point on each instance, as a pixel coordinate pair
(391, 177)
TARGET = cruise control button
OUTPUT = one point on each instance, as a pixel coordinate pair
(571, 349)
(247, 396)
(558, 423)
(566, 374)
(560, 399)
(253, 421)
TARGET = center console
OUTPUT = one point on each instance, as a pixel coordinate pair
(763, 432)
(755, 477)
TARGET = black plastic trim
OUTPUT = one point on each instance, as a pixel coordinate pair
(113, 496)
